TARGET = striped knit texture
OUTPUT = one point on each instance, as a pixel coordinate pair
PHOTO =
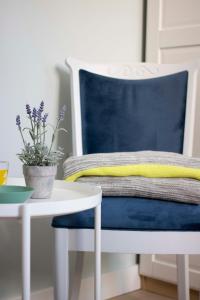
(176, 189)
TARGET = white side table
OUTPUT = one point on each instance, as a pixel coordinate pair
(66, 198)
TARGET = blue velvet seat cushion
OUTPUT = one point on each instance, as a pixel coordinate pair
(132, 115)
(126, 213)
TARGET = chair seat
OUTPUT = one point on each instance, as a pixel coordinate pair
(128, 213)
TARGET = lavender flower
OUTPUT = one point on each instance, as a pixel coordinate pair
(28, 110)
(34, 114)
(44, 119)
(18, 121)
(39, 116)
(62, 113)
(40, 110)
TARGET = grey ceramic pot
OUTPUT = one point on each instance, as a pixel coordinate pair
(41, 179)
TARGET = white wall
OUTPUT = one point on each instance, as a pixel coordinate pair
(35, 38)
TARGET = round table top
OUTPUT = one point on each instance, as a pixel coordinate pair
(66, 198)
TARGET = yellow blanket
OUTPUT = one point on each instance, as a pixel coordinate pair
(145, 170)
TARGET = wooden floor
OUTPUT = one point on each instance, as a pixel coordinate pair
(141, 295)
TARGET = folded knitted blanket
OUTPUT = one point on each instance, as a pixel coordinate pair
(149, 174)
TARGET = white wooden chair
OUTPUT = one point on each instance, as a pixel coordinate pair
(137, 240)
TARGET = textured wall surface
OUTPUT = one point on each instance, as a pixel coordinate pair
(35, 38)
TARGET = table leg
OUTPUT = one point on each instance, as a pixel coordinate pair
(61, 289)
(26, 253)
(98, 252)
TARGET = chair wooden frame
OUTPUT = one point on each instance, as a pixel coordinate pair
(138, 242)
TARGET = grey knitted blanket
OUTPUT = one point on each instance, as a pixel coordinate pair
(162, 175)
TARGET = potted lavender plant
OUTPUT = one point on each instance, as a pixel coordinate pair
(39, 160)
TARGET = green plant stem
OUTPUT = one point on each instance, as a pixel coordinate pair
(22, 137)
(40, 134)
(39, 130)
(33, 130)
(43, 135)
(53, 136)
(37, 133)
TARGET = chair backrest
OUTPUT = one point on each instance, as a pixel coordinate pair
(133, 106)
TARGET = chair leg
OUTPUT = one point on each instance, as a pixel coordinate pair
(61, 286)
(183, 277)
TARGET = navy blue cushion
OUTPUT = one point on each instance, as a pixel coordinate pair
(132, 115)
(125, 213)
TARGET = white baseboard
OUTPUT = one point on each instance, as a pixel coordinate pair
(46, 294)
(113, 284)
